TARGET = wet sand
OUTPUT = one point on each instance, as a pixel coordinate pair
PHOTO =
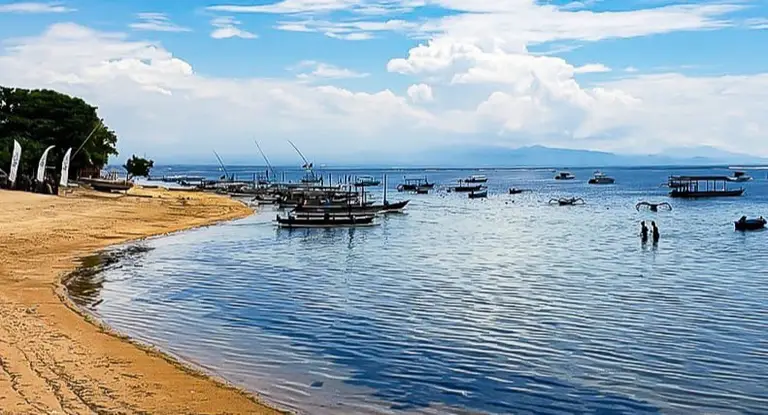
(53, 360)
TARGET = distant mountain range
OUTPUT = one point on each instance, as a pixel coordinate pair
(540, 156)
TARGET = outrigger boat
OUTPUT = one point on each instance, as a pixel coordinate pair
(478, 194)
(465, 188)
(325, 221)
(701, 186)
(104, 185)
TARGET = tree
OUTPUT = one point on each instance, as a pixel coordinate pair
(40, 118)
(138, 167)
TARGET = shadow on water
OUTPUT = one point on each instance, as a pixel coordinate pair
(84, 285)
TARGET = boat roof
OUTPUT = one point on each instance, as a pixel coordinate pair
(699, 178)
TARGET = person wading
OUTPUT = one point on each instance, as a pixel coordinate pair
(656, 234)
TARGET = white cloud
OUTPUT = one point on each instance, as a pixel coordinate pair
(322, 71)
(592, 68)
(758, 23)
(631, 69)
(157, 22)
(363, 7)
(226, 27)
(420, 93)
(35, 7)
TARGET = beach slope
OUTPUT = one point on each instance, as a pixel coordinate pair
(52, 360)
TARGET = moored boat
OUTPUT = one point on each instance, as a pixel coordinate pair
(600, 178)
(478, 194)
(701, 187)
(476, 178)
(367, 181)
(465, 188)
(745, 224)
(740, 176)
(565, 175)
(412, 185)
(325, 221)
(514, 191)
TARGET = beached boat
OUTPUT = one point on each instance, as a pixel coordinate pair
(104, 185)
(600, 178)
(745, 224)
(478, 194)
(739, 177)
(476, 178)
(367, 181)
(701, 187)
(565, 175)
(326, 221)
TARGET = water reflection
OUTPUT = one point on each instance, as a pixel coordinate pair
(464, 306)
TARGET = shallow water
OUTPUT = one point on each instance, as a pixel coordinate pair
(504, 305)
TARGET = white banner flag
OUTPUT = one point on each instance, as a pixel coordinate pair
(65, 169)
(15, 160)
(41, 165)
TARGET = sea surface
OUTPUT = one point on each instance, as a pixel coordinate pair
(503, 305)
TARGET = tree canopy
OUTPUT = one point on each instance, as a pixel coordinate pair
(40, 118)
(138, 167)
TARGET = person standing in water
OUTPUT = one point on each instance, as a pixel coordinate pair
(643, 232)
(656, 234)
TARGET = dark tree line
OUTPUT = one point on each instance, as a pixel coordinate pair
(40, 118)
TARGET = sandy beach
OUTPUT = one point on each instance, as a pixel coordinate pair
(52, 359)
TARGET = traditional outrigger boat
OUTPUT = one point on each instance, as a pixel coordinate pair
(567, 201)
(325, 221)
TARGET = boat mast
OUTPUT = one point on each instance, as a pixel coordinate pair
(265, 159)
(385, 189)
(221, 163)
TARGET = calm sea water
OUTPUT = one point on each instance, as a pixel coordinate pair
(504, 305)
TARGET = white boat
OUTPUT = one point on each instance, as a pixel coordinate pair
(740, 176)
(565, 175)
(476, 178)
(601, 178)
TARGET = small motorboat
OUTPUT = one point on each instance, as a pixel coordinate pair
(478, 194)
(740, 176)
(567, 201)
(565, 175)
(601, 178)
(515, 191)
(476, 178)
(745, 224)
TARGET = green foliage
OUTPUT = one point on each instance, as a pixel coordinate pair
(138, 167)
(40, 118)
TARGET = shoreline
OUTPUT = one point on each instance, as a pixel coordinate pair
(54, 356)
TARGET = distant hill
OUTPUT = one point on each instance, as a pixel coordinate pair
(540, 156)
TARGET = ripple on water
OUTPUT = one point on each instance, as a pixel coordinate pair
(469, 306)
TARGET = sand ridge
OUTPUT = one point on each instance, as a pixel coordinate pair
(52, 360)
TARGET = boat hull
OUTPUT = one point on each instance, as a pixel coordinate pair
(684, 194)
(478, 195)
(750, 225)
(325, 222)
(602, 181)
(467, 189)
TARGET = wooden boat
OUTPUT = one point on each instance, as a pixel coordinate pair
(601, 178)
(366, 181)
(464, 188)
(739, 177)
(565, 175)
(412, 185)
(478, 194)
(514, 191)
(745, 224)
(103, 185)
(351, 209)
(478, 178)
(701, 187)
(327, 221)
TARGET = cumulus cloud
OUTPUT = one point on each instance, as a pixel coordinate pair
(313, 70)
(592, 68)
(420, 93)
(34, 7)
(157, 22)
(226, 27)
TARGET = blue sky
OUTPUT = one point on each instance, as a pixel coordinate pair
(396, 78)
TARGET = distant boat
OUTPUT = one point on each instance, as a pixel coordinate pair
(465, 188)
(601, 178)
(325, 221)
(478, 194)
(740, 176)
(565, 175)
(367, 181)
(422, 190)
(476, 178)
(412, 185)
(514, 191)
(745, 224)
